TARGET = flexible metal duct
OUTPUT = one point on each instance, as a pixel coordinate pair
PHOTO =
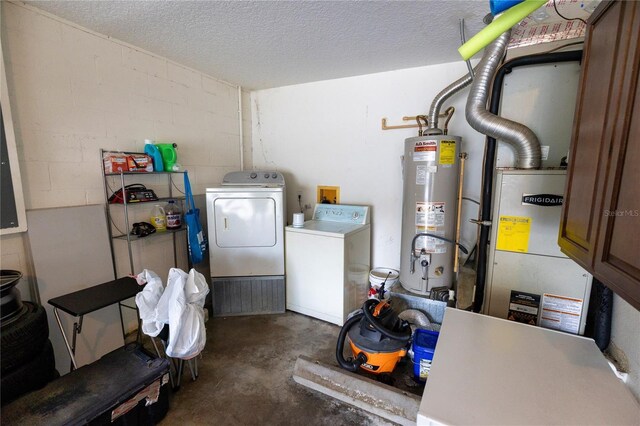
(518, 135)
(416, 318)
(438, 101)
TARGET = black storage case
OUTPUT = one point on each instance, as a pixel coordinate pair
(112, 390)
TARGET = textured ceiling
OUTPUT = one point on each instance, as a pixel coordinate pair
(262, 44)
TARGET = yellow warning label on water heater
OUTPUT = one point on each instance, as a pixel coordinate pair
(447, 152)
(513, 233)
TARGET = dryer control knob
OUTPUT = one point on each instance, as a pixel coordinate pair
(266, 175)
(253, 175)
(275, 175)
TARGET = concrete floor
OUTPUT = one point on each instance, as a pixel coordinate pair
(245, 376)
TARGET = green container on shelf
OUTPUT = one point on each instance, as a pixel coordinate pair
(169, 155)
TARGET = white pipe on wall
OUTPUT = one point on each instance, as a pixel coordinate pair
(240, 127)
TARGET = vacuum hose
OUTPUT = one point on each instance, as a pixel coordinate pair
(352, 365)
(401, 336)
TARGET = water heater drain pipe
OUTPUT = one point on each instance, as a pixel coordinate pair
(490, 156)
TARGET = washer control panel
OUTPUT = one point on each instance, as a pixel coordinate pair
(256, 178)
(357, 215)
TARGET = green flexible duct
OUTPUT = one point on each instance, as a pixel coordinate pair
(502, 23)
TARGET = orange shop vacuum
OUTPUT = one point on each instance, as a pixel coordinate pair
(378, 339)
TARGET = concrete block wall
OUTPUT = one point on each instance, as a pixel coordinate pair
(73, 91)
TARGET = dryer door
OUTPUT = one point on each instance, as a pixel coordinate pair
(246, 231)
(245, 222)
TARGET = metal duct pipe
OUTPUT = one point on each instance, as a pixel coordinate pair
(490, 156)
(415, 317)
(518, 135)
(438, 101)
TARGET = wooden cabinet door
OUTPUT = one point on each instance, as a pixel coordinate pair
(588, 156)
(617, 261)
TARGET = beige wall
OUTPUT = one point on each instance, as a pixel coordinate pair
(73, 92)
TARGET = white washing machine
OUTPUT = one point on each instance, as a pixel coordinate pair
(245, 217)
(328, 262)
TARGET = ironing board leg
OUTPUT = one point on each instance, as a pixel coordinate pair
(70, 349)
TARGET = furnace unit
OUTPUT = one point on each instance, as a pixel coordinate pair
(528, 275)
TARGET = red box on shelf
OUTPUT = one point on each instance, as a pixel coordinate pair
(139, 163)
(115, 162)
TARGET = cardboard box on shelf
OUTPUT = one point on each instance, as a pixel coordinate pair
(115, 162)
(139, 163)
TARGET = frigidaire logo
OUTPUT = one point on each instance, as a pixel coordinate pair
(546, 200)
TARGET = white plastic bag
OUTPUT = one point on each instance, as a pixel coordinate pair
(172, 295)
(147, 301)
(184, 299)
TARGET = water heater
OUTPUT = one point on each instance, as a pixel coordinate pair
(431, 171)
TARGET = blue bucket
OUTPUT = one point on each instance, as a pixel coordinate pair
(424, 346)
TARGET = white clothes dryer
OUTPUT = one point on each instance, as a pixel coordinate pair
(246, 218)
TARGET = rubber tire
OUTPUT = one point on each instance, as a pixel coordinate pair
(24, 338)
(33, 375)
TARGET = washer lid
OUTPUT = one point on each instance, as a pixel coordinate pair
(245, 190)
(327, 229)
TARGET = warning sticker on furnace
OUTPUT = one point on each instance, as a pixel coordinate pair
(425, 151)
(561, 313)
(513, 233)
(447, 152)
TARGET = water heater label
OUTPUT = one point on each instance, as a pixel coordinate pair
(425, 151)
(421, 173)
(447, 152)
(430, 218)
(513, 234)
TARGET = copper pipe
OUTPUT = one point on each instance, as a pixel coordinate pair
(385, 126)
(421, 118)
(449, 114)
